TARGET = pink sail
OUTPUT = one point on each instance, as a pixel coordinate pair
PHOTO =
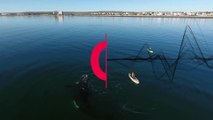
(95, 63)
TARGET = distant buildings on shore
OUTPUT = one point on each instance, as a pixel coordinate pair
(150, 13)
(59, 13)
(114, 13)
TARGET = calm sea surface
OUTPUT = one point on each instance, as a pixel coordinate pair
(41, 55)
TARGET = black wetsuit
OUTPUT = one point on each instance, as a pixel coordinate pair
(84, 89)
(81, 94)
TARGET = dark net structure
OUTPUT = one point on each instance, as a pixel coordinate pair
(189, 52)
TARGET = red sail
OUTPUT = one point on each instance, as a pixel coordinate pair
(95, 63)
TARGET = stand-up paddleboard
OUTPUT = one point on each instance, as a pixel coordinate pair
(150, 51)
(135, 80)
(75, 104)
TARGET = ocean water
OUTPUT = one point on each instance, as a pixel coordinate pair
(41, 55)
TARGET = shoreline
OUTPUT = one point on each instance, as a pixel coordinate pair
(206, 17)
(156, 14)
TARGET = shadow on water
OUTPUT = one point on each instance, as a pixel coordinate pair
(189, 51)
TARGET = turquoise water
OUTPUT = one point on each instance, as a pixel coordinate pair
(41, 55)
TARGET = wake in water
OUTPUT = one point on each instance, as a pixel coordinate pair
(189, 50)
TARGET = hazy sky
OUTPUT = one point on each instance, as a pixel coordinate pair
(95, 5)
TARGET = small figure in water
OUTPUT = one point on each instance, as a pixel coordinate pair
(81, 95)
(149, 50)
(133, 75)
(133, 78)
(84, 82)
(84, 88)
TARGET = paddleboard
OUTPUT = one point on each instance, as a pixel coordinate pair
(149, 51)
(135, 80)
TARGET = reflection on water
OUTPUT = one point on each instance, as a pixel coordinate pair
(39, 58)
(59, 19)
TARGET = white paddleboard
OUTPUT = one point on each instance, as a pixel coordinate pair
(135, 80)
(150, 51)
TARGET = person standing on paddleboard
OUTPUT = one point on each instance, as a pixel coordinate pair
(133, 75)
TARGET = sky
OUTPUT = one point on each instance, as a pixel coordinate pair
(105, 5)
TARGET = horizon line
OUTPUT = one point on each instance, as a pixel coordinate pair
(108, 11)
